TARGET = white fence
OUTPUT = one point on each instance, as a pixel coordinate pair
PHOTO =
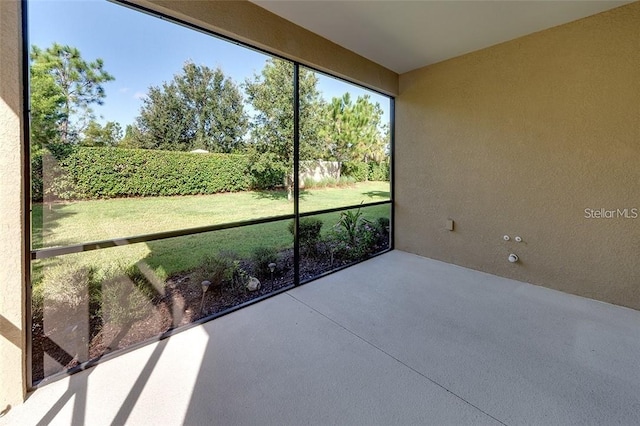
(318, 170)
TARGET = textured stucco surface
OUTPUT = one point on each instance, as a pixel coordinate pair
(520, 139)
(252, 24)
(12, 364)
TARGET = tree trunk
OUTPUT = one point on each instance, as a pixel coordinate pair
(289, 182)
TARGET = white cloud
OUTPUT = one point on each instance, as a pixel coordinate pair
(123, 90)
(139, 95)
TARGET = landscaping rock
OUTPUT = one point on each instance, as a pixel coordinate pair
(253, 284)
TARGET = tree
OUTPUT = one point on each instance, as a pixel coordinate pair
(64, 86)
(46, 107)
(355, 131)
(271, 95)
(96, 135)
(132, 137)
(198, 108)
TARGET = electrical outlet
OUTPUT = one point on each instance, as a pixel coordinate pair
(449, 224)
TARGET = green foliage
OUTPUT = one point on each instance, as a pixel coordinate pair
(329, 182)
(309, 228)
(199, 109)
(357, 170)
(132, 138)
(383, 223)
(262, 257)
(354, 130)
(349, 222)
(346, 181)
(266, 173)
(361, 171)
(325, 182)
(271, 95)
(97, 135)
(219, 270)
(356, 238)
(37, 184)
(57, 184)
(69, 286)
(126, 297)
(46, 101)
(64, 86)
(115, 172)
(379, 171)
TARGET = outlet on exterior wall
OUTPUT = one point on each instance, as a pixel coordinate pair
(449, 224)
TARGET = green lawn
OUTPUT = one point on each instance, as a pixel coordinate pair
(104, 219)
(83, 221)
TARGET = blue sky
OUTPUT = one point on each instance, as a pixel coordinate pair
(142, 51)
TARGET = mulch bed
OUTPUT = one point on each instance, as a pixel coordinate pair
(178, 306)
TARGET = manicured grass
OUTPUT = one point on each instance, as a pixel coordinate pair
(97, 220)
(82, 221)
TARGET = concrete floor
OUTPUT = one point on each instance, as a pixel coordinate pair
(398, 339)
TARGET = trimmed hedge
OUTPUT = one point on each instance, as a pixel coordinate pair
(37, 190)
(100, 172)
(104, 172)
(362, 171)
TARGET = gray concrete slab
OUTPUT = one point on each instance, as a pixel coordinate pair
(284, 364)
(521, 353)
(398, 339)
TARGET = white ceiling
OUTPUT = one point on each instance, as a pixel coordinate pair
(405, 35)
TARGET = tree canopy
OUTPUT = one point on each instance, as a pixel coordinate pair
(199, 108)
(97, 135)
(354, 130)
(64, 86)
(270, 93)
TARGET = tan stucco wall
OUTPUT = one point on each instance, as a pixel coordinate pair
(519, 139)
(12, 320)
(245, 21)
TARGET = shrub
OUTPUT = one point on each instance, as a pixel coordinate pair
(368, 238)
(343, 249)
(103, 172)
(355, 238)
(383, 223)
(355, 169)
(67, 285)
(126, 297)
(361, 171)
(50, 179)
(37, 190)
(64, 290)
(379, 171)
(266, 178)
(310, 182)
(328, 182)
(346, 181)
(219, 270)
(265, 169)
(262, 257)
(309, 236)
(349, 222)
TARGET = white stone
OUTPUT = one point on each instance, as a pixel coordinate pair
(253, 284)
